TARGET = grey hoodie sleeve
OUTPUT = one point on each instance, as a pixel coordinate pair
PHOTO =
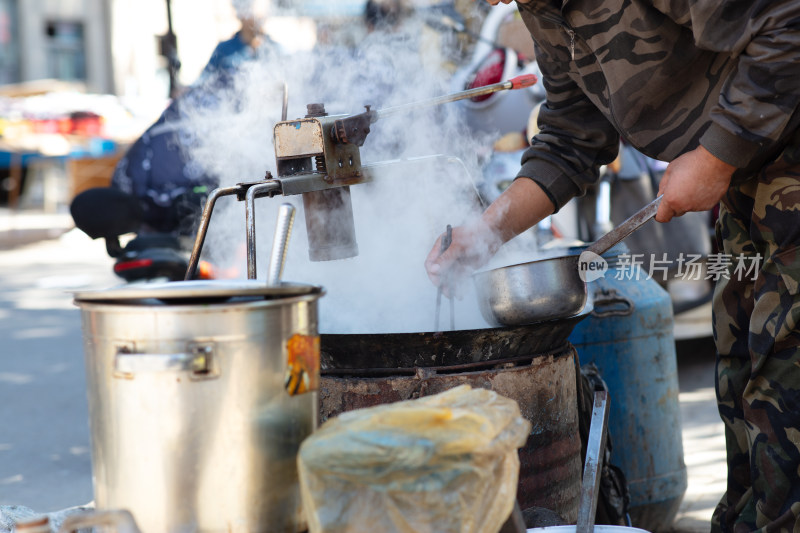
(575, 139)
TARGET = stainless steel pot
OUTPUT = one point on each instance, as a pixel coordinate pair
(200, 394)
(551, 288)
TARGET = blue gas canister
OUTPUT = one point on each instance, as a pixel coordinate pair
(629, 338)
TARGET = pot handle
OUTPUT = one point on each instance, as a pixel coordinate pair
(120, 520)
(198, 359)
(608, 302)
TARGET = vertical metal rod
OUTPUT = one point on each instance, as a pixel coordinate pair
(447, 239)
(173, 63)
(203, 229)
(250, 217)
(595, 450)
(452, 312)
(438, 308)
(285, 108)
(280, 244)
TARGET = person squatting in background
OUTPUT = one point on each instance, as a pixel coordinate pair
(158, 169)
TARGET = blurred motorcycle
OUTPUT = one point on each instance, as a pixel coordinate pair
(109, 213)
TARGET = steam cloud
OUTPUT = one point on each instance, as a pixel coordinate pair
(397, 217)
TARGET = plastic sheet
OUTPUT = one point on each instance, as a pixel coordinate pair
(443, 463)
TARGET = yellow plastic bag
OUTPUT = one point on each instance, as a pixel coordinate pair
(443, 463)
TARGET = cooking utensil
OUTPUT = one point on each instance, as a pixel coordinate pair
(595, 448)
(550, 288)
(354, 129)
(280, 244)
(518, 82)
(447, 240)
(201, 291)
(345, 353)
(190, 410)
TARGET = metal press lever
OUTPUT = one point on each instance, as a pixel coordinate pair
(354, 129)
(520, 82)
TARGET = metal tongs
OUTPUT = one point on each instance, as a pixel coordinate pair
(447, 240)
(595, 451)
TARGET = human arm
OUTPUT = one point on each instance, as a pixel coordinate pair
(520, 207)
(564, 159)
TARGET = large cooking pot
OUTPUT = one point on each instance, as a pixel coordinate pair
(550, 288)
(200, 394)
(399, 353)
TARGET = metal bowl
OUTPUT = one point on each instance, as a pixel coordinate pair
(531, 292)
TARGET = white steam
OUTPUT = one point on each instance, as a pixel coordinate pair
(397, 217)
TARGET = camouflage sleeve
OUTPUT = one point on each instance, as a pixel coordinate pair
(574, 140)
(763, 91)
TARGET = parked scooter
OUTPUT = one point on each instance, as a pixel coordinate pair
(491, 62)
(109, 213)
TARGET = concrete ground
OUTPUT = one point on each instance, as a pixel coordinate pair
(43, 471)
(703, 437)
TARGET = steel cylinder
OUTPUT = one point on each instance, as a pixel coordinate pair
(329, 224)
(629, 338)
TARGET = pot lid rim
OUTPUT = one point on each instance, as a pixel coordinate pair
(190, 290)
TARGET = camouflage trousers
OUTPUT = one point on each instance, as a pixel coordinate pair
(757, 332)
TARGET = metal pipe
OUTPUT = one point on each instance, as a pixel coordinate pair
(256, 191)
(602, 220)
(330, 225)
(285, 108)
(280, 244)
(203, 229)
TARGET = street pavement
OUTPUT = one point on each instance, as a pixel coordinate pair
(703, 437)
(44, 443)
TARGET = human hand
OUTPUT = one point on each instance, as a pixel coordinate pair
(472, 246)
(695, 181)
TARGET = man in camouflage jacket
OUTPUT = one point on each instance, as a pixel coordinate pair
(712, 86)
